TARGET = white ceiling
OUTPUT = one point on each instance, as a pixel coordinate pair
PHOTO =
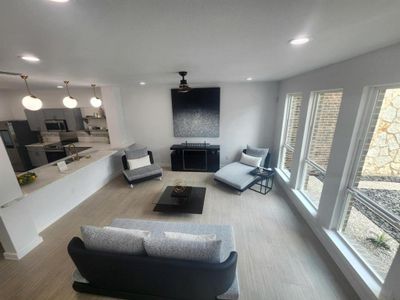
(127, 41)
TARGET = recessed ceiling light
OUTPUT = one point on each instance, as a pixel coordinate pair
(249, 78)
(299, 41)
(59, 1)
(59, 86)
(30, 58)
(142, 83)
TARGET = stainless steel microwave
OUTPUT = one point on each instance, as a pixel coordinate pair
(56, 125)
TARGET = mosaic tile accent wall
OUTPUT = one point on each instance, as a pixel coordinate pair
(196, 113)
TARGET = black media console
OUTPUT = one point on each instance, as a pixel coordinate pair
(195, 157)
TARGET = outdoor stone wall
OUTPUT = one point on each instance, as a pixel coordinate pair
(383, 155)
(382, 152)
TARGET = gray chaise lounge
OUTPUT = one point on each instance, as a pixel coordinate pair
(237, 175)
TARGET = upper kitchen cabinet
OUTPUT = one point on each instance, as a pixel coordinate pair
(54, 113)
(73, 117)
(74, 120)
(35, 119)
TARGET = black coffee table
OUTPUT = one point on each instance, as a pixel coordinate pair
(192, 203)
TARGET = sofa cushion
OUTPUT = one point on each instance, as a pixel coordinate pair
(250, 160)
(236, 175)
(135, 152)
(143, 172)
(140, 162)
(196, 250)
(116, 240)
(258, 152)
(190, 237)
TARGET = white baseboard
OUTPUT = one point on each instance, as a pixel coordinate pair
(24, 251)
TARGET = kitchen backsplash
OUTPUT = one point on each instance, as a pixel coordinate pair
(83, 136)
(93, 137)
(50, 137)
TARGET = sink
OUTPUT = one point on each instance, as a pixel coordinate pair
(69, 160)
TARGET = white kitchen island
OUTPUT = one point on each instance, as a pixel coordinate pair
(55, 193)
(49, 173)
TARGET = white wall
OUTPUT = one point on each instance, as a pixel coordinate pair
(5, 108)
(247, 116)
(353, 76)
(10, 100)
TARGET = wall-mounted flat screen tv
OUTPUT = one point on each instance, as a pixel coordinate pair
(196, 113)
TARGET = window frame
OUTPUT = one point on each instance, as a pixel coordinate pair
(284, 146)
(349, 191)
(309, 128)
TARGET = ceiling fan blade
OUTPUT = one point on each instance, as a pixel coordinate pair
(9, 73)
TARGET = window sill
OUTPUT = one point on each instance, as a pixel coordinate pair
(305, 202)
(355, 262)
(283, 175)
(359, 275)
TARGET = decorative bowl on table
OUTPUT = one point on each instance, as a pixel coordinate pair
(181, 190)
(26, 178)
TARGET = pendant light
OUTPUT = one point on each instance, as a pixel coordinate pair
(30, 102)
(69, 101)
(95, 101)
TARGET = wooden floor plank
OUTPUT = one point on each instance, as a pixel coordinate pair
(279, 257)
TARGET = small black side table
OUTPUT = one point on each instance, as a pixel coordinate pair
(264, 180)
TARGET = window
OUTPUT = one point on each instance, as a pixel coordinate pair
(371, 222)
(324, 113)
(292, 119)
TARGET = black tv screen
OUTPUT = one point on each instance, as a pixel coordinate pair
(196, 113)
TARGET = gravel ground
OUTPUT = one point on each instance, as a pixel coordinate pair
(358, 229)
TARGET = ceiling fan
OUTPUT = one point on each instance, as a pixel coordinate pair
(9, 73)
(183, 85)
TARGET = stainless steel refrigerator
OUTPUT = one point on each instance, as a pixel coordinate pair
(15, 135)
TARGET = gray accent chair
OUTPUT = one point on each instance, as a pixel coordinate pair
(143, 173)
(237, 175)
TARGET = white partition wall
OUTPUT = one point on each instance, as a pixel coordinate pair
(9, 186)
(115, 117)
(18, 235)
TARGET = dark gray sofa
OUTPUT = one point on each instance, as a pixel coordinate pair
(143, 277)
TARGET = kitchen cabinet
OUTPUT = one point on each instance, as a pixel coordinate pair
(73, 117)
(74, 120)
(53, 114)
(38, 156)
(35, 119)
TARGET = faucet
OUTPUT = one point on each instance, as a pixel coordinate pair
(74, 152)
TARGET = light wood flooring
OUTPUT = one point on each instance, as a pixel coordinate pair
(279, 257)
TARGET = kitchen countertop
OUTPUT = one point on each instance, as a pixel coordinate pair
(97, 146)
(40, 144)
(49, 173)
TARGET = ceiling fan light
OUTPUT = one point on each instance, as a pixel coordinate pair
(183, 85)
(96, 102)
(70, 102)
(32, 103)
